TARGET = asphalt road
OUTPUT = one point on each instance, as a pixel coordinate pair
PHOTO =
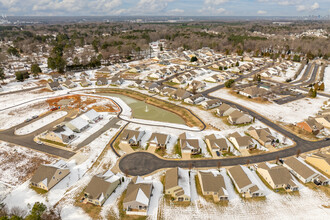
(142, 163)
(27, 140)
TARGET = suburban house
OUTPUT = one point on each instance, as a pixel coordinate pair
(167, 91)
(310, 125)
(320, 161)
(53, 86)
(304, 173)
(132, 137)
(237, 118)
(117, 81)
(241, 142)
(70, 84)
(101, 81)
(197, 85)
(253, 92)
(180, 94)
(91, 116)
(104, 70)
(70, 75)
(243, 183)
(189, 145)
(216, 144)
(101, 187)
(213, 184)
(323, 120)
(137, 196)
(78, 124)
(85, 82)
(150, 86)
(57, 77)
(159, 140)
(213, 103)
(177, 184)
(61, 134)
(195, 99)
(262, 135)
(277, 177)
(48, 175)
(225, 110)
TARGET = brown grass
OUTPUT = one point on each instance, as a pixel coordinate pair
(92, 210)
(77, 102)
(256, 100)
(300, 132)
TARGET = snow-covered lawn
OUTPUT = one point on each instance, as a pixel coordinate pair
(12, 117)
(309, 204)
(40, 123)
(18, 163)
(292, 112)
(66, 190)
(327, 79)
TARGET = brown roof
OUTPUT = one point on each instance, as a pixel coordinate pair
(45, 172)
(171, 178)
(218, 143)
(130, 134)
(279, 174)
(211, 182)
(158, 138)
(97, 187)
(239, 176)
(299, 167)
(133, 189)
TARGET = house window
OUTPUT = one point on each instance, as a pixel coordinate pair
(60, 173)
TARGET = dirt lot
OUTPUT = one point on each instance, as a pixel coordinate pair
(89, 102)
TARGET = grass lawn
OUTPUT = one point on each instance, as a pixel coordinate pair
(92, 210)
(177, 149)
(161, 152)
(53, 142)
(38, 190)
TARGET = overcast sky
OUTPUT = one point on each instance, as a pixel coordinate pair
(166, 7)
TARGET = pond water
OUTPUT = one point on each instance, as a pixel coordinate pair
(141, 110)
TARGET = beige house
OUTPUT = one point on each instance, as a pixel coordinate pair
(243, 183)
(159, 140)
(262, 135)
(48, 175)
(101, 187)
(320, 161)
(181, 94)
(225, 110)
(189, 145)
(137, 196)
(216, 144)
(237, 118)
(61, 134)
(277, 177)
(213, 184)
(241, 142)
(324, 120)
(304, 173)
(132, 137)
(177, 184)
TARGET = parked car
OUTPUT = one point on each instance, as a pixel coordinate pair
(218, 153)
(29, 119)
(39, 142)
(35, 116)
